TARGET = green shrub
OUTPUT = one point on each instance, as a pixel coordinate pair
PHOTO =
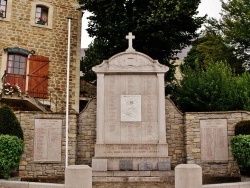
(240, 146)
(11, 150)
(242, 127)
(212, 89)
(9, 124)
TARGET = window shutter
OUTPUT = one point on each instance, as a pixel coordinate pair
(38, 76)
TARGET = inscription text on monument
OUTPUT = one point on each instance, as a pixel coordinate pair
(214, 142)
(47, 142)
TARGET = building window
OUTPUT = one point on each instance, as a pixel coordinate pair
(16, 64)
(41, 16)
(3, 8)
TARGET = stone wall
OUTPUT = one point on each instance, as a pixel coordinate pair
(86, 136)
(183, 138)
(193, 141)
(175, 134)
(19, 30)
(87, 89)
(29, 168)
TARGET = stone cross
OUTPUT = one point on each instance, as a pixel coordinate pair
(130, 38)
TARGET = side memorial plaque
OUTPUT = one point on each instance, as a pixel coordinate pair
(214, 142)
(48, 139)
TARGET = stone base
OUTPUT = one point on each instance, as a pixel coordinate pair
(129, 157)
(133, 176)
(157, 163)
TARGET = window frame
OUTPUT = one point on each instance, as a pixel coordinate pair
(41, 16)
(8, 11)
(15, 62)
(33, 17)
(3, 8)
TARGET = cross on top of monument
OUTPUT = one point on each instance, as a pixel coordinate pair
(130, 38)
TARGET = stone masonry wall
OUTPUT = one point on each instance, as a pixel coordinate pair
(193, 141)
(183, 138)
(175, 134)
(29, 168)
(86, 136)
(21, 32)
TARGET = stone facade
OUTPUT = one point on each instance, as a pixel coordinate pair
(19, 29)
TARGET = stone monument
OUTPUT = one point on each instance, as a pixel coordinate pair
(131, 130)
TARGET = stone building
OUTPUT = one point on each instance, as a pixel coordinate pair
(34, 46)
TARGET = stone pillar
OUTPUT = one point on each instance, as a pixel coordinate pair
(78, 176)
(100, 109)
(161, 109)
(188, 176)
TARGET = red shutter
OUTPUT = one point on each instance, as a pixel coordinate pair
(38, 76)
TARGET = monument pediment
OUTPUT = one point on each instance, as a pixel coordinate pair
(130, 61)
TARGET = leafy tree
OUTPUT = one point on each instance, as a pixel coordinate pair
(9, 124)
(211, 48)
(162, 28)
(235, 27)
(214, 89)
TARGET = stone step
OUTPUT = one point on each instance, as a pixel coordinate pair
(133, 176)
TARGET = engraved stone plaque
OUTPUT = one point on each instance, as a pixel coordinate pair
(149, 108)
(145, 166)
(149, 132)
(112, 108)
(126, 165)
(214, 142)
(112, 132)
(131, 132)
(163, 166)
(149, 84)
(130, 107)
(133, 84)
(47, 140)
(99, 164)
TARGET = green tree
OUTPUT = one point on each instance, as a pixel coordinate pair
(9, 124)
(212, 48)
(162, 28)
(235, 27)
(212, 89)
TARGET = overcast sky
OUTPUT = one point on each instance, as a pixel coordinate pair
(210, 7)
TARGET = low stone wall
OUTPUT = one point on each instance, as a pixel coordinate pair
(175, 134)
(28, 167)
(86, 136)
(193, 141)
(183, 138)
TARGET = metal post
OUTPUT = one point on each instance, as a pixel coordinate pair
(67, 95)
